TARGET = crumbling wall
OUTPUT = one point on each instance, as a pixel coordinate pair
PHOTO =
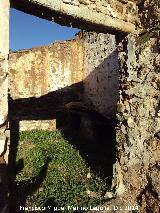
(38, 71)
(101, 72)
(85, 68)
(4, 50)
(136, 171)
(42, 80)
(137, 168)
(149, 14)
(4, 133)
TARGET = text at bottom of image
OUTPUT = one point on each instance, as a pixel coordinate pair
(79, 208)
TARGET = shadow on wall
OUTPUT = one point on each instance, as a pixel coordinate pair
(46, 106)
(87, 130)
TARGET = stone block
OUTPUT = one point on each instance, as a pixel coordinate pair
(2, 143)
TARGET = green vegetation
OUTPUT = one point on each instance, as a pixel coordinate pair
(54, 173)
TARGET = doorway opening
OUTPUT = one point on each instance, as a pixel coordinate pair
(43, 80)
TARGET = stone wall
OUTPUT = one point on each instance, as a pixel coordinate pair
(149, 14)
(137, 168)
(4, 51)
(101, 72)
(138, 134)
(4, 136)
(43, 79)
(136, 171)
(41, 70)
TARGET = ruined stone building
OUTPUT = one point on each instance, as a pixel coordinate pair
(112, 65)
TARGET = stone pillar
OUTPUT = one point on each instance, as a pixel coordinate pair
(137, 169)
(4, 51)
(4, 140)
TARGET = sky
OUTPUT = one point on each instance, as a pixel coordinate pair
(28, 31)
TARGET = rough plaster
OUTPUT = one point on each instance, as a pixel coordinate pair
(101, 72)
(89, 59)
(41, 70)
(51, 75)
(4, 49)
(149, 14)
(137, 171)
(4, 139)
